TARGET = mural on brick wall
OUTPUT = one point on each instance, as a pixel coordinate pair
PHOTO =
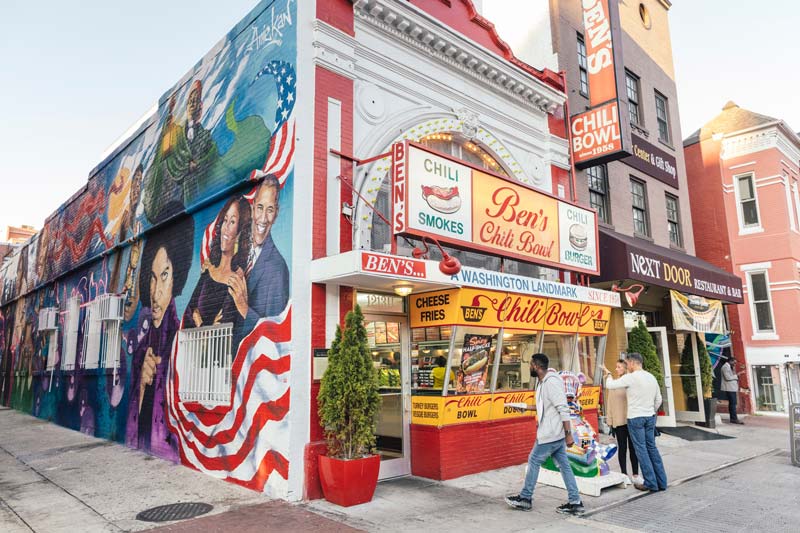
(189, 222)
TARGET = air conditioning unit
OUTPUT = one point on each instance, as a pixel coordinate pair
(109, 307)
(48, 319)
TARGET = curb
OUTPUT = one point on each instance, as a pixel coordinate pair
(677, 482)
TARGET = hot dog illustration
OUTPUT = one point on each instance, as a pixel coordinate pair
(475, 362)
(442, 199)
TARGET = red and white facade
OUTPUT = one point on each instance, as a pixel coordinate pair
(386, 71)
(744, 172)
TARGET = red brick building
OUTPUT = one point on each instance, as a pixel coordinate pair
(743, 172)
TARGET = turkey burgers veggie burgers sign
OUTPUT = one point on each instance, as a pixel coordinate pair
(438, 196)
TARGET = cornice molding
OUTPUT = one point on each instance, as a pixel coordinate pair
(405, 23)
(334, 49)
(757, 140)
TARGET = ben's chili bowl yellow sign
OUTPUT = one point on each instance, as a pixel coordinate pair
(500, 309)
(434, 195)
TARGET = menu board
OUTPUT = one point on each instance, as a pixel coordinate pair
(794, 429)
(417, 334)
(380, 332)
(370, 327)
(476, 356)
(432, 333)
(392, 332)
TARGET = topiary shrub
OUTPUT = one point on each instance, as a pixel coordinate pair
(640, 340)
(687, 368)
(348, 395)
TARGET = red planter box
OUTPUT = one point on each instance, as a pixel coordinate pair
(348, 483)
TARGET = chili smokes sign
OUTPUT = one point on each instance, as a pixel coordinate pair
(438, 196)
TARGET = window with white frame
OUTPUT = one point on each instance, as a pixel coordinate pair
(598, 191)
(762, 306)
(632, 90)
(583, 71)
(72, 324)
(796, 196)
(674, 221)
(639, 205)
(101, 332)
(748, 204)
(48, 326)
(204, 364)
(662, 116)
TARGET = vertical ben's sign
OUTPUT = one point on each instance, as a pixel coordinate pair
(598, 135)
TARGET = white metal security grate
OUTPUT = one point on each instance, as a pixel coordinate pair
(101, 332)
(204, 356)
(71, 333)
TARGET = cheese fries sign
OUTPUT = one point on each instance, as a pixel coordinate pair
(457, 203)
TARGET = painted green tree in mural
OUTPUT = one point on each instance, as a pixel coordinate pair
(348, 396)
(640, 341)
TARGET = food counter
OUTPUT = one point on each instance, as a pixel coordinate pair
(486, 339)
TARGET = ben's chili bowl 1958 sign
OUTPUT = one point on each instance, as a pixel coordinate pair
(469, 207)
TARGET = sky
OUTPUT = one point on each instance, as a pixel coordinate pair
(74, 76)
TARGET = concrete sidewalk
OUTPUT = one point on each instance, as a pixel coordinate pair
(54, 479)
(476, 501)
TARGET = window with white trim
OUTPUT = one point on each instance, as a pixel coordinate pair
(598, 191)
(639, 205)
(48, 326)
(796, 196)
(204, 364)
(72, 324)
(662, 117)
(674, 221)
(101, 332)
(748, 205)
(632, 91)
(762, 306)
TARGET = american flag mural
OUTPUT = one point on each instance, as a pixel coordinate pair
(246, 442)
(280, 158)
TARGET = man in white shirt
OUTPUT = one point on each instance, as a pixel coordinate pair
(644, 399)
(730, 386)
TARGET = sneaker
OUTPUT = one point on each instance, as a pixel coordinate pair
(627, 481)
(518, 502)
(638, 479)
(575, 509)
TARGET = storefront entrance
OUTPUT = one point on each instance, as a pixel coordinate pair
(684, 364)
(666, 416)
(388, 338)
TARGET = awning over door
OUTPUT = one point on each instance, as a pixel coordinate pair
(623, 257)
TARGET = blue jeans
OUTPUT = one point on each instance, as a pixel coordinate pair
(539, 454)
(643, 434)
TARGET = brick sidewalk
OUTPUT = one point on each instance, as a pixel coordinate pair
(277, 517)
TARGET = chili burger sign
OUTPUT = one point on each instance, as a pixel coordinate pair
(437, 196)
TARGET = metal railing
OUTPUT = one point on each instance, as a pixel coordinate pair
(204, 364)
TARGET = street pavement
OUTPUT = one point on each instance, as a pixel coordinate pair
(53, 479)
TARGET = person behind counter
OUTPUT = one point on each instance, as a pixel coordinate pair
(553, 436)
(438, 373)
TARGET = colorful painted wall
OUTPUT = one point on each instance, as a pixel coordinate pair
(190, 220)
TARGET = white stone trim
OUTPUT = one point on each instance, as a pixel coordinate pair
(766, 265)
(765, 337)
(768, 136)
(333, 49)
(741, 165)
(407, 24)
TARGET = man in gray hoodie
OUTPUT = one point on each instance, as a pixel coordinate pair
(553, 436)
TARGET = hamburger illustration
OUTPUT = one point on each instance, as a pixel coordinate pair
(577, 237)
(442, 199)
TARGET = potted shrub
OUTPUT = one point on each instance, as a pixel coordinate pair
(640, 341)
(348, 407)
